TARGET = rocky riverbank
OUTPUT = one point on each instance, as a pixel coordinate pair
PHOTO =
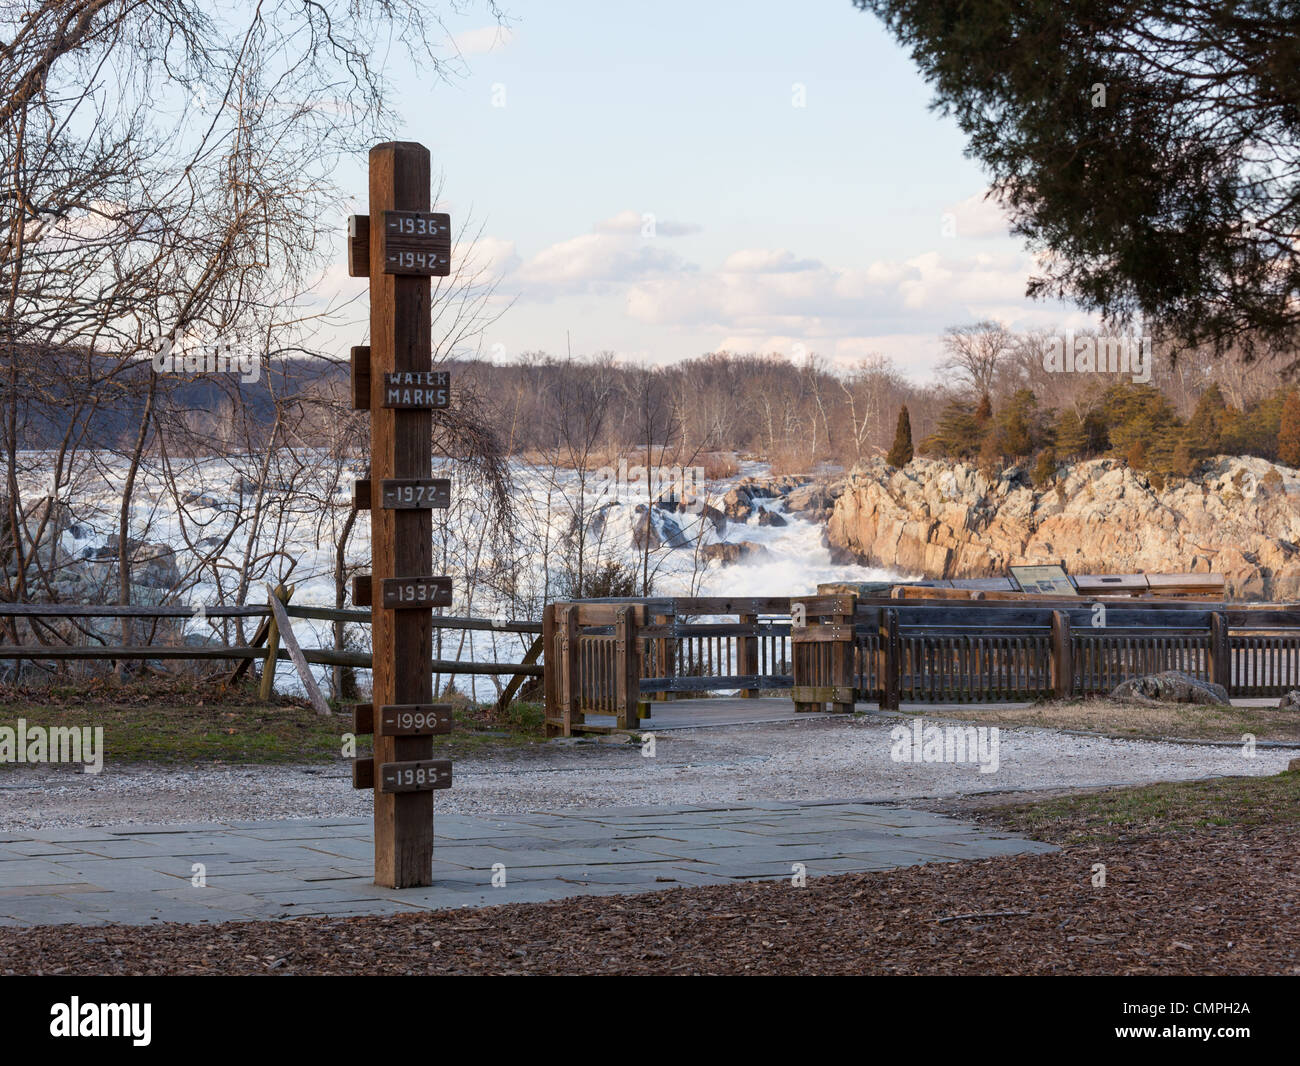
(1239, 517)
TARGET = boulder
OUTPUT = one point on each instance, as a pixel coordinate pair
(771, 518)
(656, 531)
(729, 554)
(815, 501)
(1290, 702)
(1170, 686)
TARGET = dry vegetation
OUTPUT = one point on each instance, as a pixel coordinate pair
(1130, 721)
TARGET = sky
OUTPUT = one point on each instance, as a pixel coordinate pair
(667, 179)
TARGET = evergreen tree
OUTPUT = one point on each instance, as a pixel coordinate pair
(1205, 430)
(901, 453)
(984, 412)
(1184, 462)
(1071, 437)
(1288, 434)
(1018, 432)
(957, 435)
(1045, 468)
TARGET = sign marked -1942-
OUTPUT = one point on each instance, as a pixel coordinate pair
(417, 242)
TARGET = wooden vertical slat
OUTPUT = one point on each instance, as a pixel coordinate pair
(1220, 662)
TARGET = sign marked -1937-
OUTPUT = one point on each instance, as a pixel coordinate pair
(400, 592)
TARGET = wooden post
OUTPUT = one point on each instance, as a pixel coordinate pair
(284, 627)
(890, 654)
(570, 668)
(747, 655)
(1062, 657)
(842, 680)
(663, 653)
(267, 686)
(628, 667)
(1220, 652)
(551, 678)
(401, 433)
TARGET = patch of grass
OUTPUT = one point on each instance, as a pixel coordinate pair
(1171, 808)
(1183, 720)
(176, 722)
(203, 732)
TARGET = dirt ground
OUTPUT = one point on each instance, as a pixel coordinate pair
(1192, 878)
(1205, 903)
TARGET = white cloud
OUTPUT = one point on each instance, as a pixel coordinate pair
(979, 217)
(595, 261)
(766, 261)
(492, 255)
(483, 40)
(645, 223)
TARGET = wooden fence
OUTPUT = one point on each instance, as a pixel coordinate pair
(941, 651)
(613, 657)
(263, 646)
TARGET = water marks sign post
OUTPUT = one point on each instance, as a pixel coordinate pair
(400, 245)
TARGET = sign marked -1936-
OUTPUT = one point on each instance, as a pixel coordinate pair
(417, 242)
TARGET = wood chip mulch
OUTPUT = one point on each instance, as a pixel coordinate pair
(1210, 902)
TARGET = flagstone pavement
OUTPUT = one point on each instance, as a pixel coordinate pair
(235, 871)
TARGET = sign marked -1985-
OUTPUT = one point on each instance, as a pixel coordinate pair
(421, 775)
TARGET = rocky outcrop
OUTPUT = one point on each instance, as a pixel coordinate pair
(730, 553)
(1239, 517)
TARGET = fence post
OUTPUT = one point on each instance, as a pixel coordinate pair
(747, 655)
(627, 666)
(664, 654)
(1062, 657)
(267, 686)
(570, 669)
(1220, 652)
(890, 654)
(842, 680)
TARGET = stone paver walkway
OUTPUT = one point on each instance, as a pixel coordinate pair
(282, 869)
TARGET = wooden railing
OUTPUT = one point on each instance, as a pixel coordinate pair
(944, 651)
(610, 657)
(262, 647)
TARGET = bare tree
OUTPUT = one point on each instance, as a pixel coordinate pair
(975, 353)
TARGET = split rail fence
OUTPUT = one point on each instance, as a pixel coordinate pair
(273, 632)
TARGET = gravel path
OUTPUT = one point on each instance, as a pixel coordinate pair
(835, 759)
